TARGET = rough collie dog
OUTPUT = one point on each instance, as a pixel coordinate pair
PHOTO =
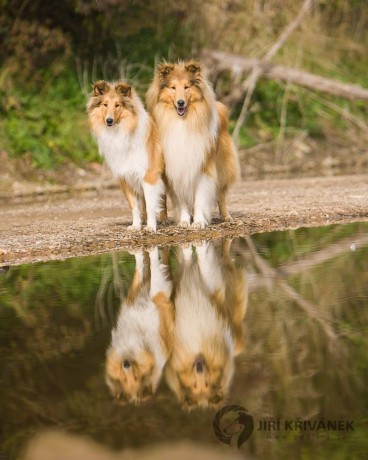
(201, 161)
(142, 339)
(127, 138)
(210, 302)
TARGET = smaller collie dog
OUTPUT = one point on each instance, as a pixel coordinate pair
(142, 339)
(201, 161)
(210, 303)
(128, 140)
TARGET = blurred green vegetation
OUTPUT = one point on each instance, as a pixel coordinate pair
(51, 52)
(56, 319)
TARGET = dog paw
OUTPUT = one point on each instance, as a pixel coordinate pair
(184, 224)
(199, 224)
(201, 245)
(134, 228)
(228, 218)
(138, 253)
(202, 249)
(153, 252)
(150, 229)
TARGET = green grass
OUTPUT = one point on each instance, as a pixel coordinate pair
(50, 125)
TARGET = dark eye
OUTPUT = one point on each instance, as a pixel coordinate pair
(117, 105)
(186, 87)
(105, 105)
(173, 88)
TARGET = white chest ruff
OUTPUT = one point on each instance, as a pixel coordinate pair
(138, 330)
(125, 153)
(196, 318)
(185, 150)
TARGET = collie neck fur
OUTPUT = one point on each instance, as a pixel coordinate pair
(186, 144)
(137, 330)
(125, 149)
(197, 320)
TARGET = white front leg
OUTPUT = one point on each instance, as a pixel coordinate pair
(137, 222)
(160, 281)
(139, 263)
(184, 220)
(152, 195)
(210, 266)
(204, 201)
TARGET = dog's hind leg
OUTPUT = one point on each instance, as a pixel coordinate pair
(143, 209)
(163, 212)
(133, 204)
(224, 213)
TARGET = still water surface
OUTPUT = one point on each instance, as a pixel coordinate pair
(133, 350)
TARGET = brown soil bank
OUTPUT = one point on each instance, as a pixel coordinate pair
(58, 226)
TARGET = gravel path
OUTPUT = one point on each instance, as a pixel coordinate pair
(61, 225)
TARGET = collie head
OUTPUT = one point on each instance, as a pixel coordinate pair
(180, 88)
(200, 381)
(131, 380)
(112, 104)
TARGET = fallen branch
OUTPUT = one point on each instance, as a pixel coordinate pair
(271, 274)
(239, 64)
(250, 83)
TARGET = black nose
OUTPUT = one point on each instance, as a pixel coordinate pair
(109, 121)
(199, 367)
(181, 103)
(126, 364)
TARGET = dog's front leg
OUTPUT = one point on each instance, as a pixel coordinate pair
(152, 196)
(160, 282)
(204, 200)
(210, 266)
(184, 219)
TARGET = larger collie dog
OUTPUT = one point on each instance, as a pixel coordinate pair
(210, 303)
(201, 161)
(142, 339)
(127, 138)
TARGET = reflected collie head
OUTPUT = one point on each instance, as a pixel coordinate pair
(183, 323)
(141, 340)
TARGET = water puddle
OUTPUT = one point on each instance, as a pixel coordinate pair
(258, 343)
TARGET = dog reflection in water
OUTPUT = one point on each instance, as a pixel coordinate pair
(210, 302)
(141, 340)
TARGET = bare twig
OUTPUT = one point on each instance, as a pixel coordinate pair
(332, 251)
(99, 303)
(308, 307)
(257, 71)
(344, 113)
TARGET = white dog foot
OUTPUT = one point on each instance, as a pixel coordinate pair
(228, 218)
(150, 229)
(134, 228)
(199, 224)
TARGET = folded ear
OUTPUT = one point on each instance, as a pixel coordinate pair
(164, 69)
(100, 87)
(123, 89)
(193, 67)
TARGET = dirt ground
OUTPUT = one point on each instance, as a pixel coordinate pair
(61, 225)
